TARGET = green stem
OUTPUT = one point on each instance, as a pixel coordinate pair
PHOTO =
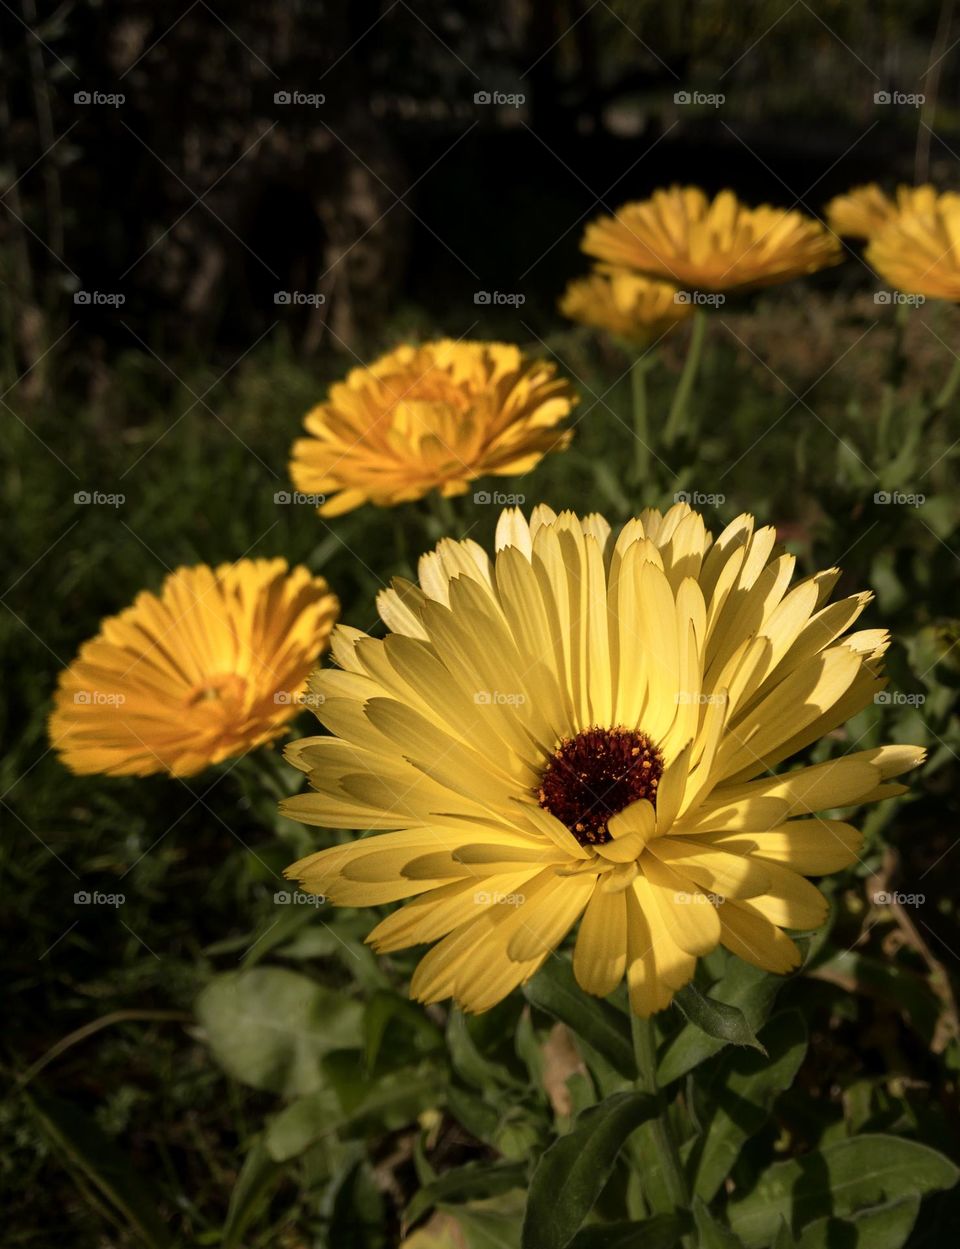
(661, 1136)
(677, 418)
(443, 513)
(883, 424)
(949, 387)
(641, 429)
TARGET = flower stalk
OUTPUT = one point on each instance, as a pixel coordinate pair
(678, 422)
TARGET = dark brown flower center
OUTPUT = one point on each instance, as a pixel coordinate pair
(596, 774)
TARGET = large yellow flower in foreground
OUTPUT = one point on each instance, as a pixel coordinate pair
(635, 308)
(433, 417)
(585, 728)
(213, 666)
(918, 249)
(714, 245)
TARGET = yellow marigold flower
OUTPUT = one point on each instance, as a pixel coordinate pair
(433, 417)
(864, 210)
(918, 250)
(636, 308)
(680, 235)
(213, 666)
(585, 728)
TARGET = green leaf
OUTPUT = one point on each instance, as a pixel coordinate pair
(391, 1103)
(382, 1009)
(301, 1124)
(741, 985)
(741, 1093)
(476, 1179)
(839, 1180)
(662, 1231)
(717, 1019)
(554, 990)
(784, 1239)
(711, 1233)
(490, 1224)
(881, 1227)
(250, 1193)
(481, 1072)
(572, 1173)
(270, 1027)
(104, 1164)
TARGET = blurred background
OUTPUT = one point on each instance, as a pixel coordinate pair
(207, 214)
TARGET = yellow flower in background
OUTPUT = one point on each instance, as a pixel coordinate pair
(864, 210)
(584, 729)
(713, 245)
(918, 250)
(632, 307)
(211, 667)
(433, 417)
